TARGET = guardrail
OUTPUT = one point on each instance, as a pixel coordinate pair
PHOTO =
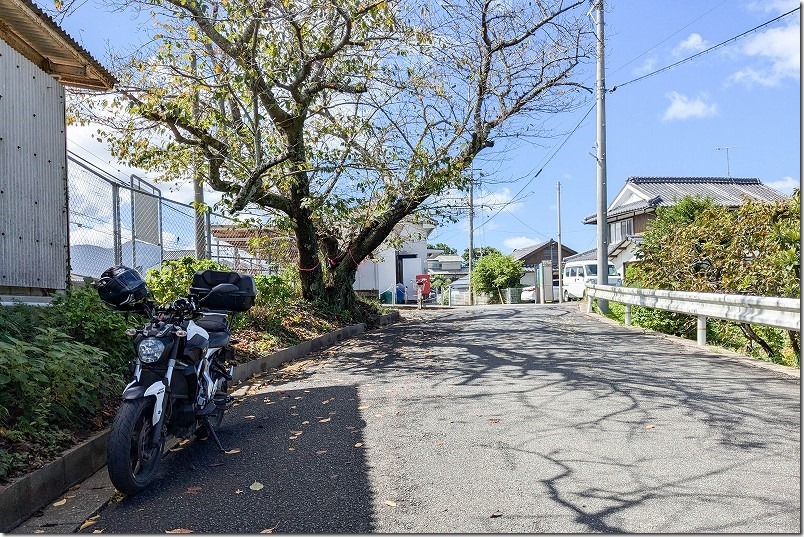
(782, 313)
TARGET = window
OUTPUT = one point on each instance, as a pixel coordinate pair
(620, 230)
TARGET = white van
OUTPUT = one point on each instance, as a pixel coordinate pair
(578, 273)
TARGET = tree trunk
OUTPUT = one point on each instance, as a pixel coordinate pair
(794, 342)
(753, 336)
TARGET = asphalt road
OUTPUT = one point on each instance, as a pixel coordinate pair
(527, 418)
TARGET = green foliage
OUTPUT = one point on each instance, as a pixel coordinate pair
(82, 315)
(439, 281)
(483, 251)
(49, 385)
(699, 246)
(495, 271)
(447, 249)
(172, 280)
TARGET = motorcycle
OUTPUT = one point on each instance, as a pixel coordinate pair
(179, 384)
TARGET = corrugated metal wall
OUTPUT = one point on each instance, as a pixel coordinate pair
(33, 176)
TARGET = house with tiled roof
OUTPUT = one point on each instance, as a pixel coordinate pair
(531, 256)
(635, 205)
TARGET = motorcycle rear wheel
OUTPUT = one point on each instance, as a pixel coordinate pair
(132, 466)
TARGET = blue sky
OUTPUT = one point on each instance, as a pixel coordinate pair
(744, 96)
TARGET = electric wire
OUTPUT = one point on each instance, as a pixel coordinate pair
(710, 49)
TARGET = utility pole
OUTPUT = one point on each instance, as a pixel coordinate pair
(560, 272)
(198, 188)
(471, 229)
(602, 204)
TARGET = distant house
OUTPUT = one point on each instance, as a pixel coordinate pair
(37, 60)
(635, 205)
(401, 258)
(534, 255)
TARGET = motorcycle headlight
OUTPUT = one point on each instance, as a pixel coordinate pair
(150, 350)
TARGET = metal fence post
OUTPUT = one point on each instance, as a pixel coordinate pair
(118, 239)
(701, 329)
(628, 315)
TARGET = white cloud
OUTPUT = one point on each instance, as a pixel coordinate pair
(683, 107)
(647, 66)
(778, 56)
(772, 6)
(785, 184)
(515, 243)
(501, 199)
(694, 43)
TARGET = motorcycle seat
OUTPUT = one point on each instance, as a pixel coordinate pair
(217, 327)
(218, 339)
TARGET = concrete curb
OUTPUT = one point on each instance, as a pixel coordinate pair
(25, 496)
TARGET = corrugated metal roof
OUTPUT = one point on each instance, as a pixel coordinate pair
(728, 191)
(35, 35)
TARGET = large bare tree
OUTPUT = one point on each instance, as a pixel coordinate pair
(340, 118)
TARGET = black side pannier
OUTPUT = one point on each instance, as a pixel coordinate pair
(238, 301)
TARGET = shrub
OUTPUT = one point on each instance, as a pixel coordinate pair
(172, 280)
(48, 387)
(82, 315)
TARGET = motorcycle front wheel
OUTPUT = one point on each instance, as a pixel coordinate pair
(132, 464)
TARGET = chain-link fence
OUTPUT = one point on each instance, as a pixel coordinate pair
(113, 222)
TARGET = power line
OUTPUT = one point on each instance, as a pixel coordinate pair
(514, 198)
(735, 38)
(669, 36)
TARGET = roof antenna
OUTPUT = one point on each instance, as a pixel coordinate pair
(728, 170)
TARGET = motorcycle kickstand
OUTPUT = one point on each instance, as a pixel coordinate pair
(213, 434)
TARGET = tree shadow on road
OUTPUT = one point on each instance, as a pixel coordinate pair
(296, 465)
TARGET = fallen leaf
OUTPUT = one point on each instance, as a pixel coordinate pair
(494, 420)
(185, 441)
(39, 531)
(175, 449)
(324, 420)
(192, 490)
(364, 407)
(270, 530)
(320, 451)
(291, 449)
(216, 463)
(70, 496)
(232, 451)
(86, 524)
(256, 486)
(249, 417)
(305, 423)
(390, 503)
(377, 415)
(74, 487)
(97, 531)
(649, 426)
(60, 502)
(96, 517)
(359, 444)
(179, 530)
(496, 514)
(239, 491)
(439, 443)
